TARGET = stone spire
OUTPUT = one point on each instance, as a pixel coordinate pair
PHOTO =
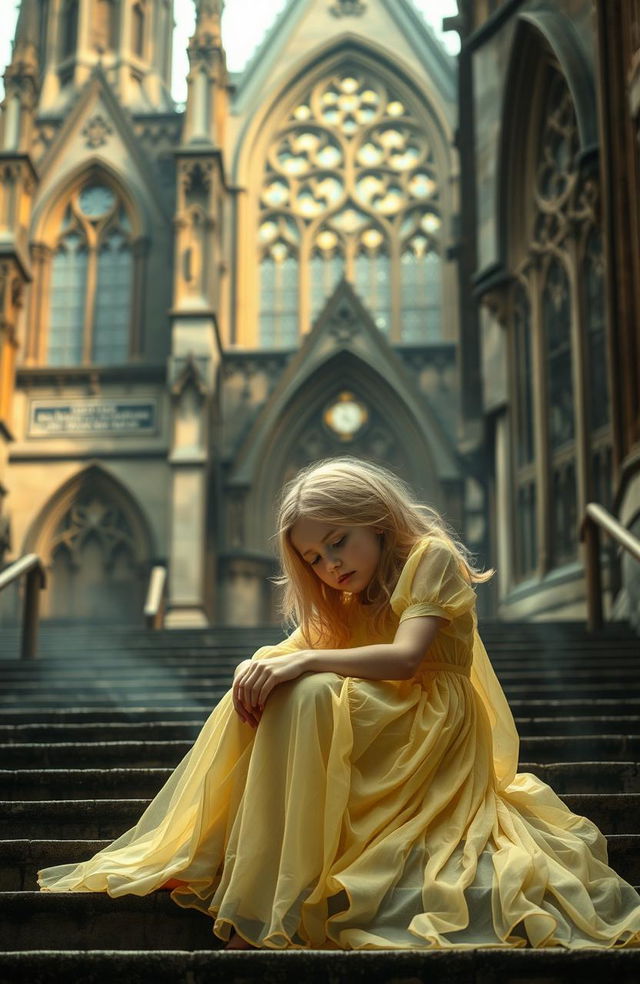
(21, 79)
(128, 40)
(25, 45)
(207, 79)
(208, 21)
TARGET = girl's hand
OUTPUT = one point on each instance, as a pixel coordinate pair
(247, 714)
(255, 679)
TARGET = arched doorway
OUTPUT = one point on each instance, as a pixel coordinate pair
(96, 546)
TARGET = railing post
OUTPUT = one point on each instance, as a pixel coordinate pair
(33, 584)
(594, 579)
(154, 607)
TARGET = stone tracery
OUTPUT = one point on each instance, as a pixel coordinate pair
(563, 234)
(350, 174)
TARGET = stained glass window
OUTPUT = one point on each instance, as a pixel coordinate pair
(557, 210)
(354, 168)
(373, 284)
(91, 281)
(524, 377)
(563, 538)
(68, 298)
(421, 292)
(526, 529)
(525, 518)
(598, 386)
(279, 288)
(113, 299)
(556, 307)
(326, 270)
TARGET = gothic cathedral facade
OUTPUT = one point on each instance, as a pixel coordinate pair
(358, 244)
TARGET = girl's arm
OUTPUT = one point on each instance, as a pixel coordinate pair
(397, 660)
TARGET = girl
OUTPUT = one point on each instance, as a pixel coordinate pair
(357, 786)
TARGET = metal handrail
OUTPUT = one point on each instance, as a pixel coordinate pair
(36, 580)
(154, 606)
(596, 517)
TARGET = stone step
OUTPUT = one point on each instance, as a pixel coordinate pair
(42, 920)
(188, 729)
(562, 725)
(28, 676)
(152, 754)
(182, 693)
(65, 628)
(94, 818)
(21, 859)
(125, 783)
(97, 648)
(101, 645)
(99, 818)
(513, 655)
(481, 966)
(523, 709)
(115, 731)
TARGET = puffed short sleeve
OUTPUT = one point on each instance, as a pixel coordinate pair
(432, 583)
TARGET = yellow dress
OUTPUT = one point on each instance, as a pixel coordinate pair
(365, 814)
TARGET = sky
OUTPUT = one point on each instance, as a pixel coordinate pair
(244, 24)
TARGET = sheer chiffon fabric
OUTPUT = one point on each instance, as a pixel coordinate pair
(365, 814)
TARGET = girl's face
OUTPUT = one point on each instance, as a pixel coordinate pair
(344, 557)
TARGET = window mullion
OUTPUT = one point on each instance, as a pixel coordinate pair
(90, 302)
(578, 364)
(395, 328)
(541, 437)
(304, 282)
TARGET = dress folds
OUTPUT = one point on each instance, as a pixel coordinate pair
(365, 814)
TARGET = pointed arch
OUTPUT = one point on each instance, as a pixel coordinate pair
(96, 545)
(88, 293)
(297, 433)
(49, 209)
(537, 32)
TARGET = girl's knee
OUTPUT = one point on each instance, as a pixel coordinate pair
(314, 687)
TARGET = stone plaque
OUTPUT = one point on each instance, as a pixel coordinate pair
(55, 418)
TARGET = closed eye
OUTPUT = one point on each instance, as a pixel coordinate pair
(338, 543)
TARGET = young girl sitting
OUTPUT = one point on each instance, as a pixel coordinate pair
(357, 786)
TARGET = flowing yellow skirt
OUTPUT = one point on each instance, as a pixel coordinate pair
(365, 814)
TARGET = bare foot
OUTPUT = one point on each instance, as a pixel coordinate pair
(236, 942)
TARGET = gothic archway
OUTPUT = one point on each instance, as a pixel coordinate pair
(96, 546)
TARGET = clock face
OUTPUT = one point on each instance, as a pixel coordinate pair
(346, 416)
(96, 200)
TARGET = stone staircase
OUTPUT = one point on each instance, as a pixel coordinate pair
(92, 729)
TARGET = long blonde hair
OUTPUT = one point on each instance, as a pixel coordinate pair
(348, 492)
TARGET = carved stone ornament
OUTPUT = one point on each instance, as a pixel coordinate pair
(344, 324)
(496, 303)
(196, 177)
(188, 371)
(347, 8)
(92, 517)
(96, 131)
